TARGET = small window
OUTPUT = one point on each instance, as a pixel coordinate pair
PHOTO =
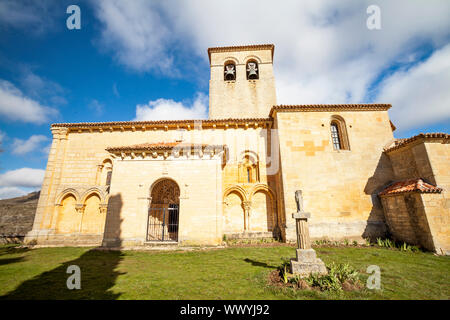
(339, 136)
(252, 70)
(335, 136)
(230, 72)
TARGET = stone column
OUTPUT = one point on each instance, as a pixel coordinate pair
(247, 206)
(306, 261)
(46, 203)
(303, 241)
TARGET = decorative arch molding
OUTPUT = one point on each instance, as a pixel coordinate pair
(230, 59)
(66, 192)
(250, 153)
(153, 185)
(94, 190)
(165, 190)
(248, 167)
(239, 190)
(265, 188)
(342, 135)
(251, 57)
(81, 193)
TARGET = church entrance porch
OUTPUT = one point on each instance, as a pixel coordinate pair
(163, 214)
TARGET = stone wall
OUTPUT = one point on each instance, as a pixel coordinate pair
(339, 186)
(241, 98)
(406, 219)
(77, 161)
(421, 218)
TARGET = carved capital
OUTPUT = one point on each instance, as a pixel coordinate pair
(80, 208)
(103, 208)
(247, 205)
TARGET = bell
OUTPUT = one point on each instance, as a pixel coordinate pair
(229, 72)
(252, 70)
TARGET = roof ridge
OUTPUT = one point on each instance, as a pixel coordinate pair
(410, 185)
(399, 143)
(326, 107)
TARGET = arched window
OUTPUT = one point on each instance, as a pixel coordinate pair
(106, 173)
(252, 70)
(249, 168)
(335, 136)
(339, 136)
(229, 71)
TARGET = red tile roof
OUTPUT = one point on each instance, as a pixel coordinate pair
(160, 122)
(411, 185)
(433, 136)
(241, 48)
(331, 107)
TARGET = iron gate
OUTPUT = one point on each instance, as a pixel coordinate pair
(163, 223)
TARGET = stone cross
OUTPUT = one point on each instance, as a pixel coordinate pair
(306, 262)
(301, 219)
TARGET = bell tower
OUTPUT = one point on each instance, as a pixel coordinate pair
(242, 84)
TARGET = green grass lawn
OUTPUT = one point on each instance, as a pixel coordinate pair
(232, 273)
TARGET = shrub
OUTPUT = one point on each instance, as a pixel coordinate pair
(324, 282)
(337, 275)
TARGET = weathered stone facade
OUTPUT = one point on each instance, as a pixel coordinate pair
(235, 173)
(417, 204)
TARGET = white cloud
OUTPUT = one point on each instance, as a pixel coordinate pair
(96, 106)
(136, 33)
(33, 16)
(17, 107)
(41, 88)
(324, 51)
(115, 91)
(21, 147)
(421, 95)
(24, 177)
(168, 109)
(2, 138)
(11, 192)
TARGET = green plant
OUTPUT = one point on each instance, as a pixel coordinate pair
(328, 282)
(337, 275)
(355, 243)
(346, 242)
(389, 243)
(380, 242)
(285, 277)
(343, 272)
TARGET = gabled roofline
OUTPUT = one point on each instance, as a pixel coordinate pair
(421, 137)
(409, 185)
(163, 123)
(241, 48)
(330, 107)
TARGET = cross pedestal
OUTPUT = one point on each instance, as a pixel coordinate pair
(306, 261)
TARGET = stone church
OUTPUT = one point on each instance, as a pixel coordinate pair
(234, 175)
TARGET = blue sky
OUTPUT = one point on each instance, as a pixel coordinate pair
(147, 60)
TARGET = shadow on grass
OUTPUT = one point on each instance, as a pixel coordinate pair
(12, 249)
(259, 264)
(11, 260)
(98, 276)
(97, 268)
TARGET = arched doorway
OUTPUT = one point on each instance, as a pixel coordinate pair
(163, 214)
